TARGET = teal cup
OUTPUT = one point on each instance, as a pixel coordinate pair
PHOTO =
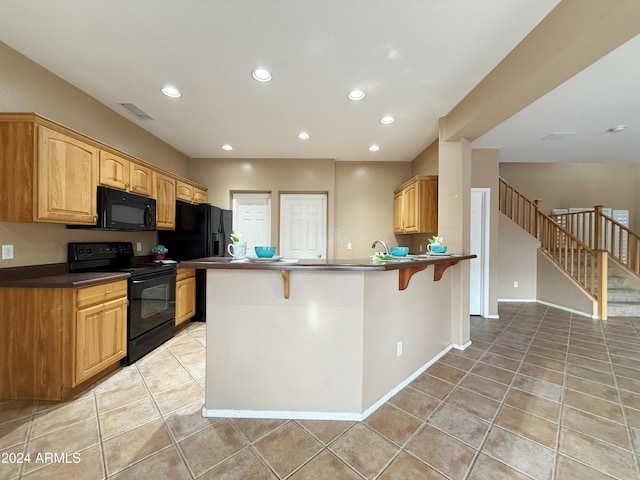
(265, 252)
(399, 251)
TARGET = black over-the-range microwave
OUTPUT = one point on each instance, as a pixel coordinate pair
(119, 210)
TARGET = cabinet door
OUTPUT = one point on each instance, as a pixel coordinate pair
(114, 171)
(410, 208)
(185, 300)
(184, 191)
(165, 194)
(101, 337)
(67, 179)
(398, 226)
(199, 195)
(141, 180)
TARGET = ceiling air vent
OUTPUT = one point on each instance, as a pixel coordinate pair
(135, 111)
(559, 135)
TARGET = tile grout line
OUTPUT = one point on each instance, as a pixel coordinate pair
(502, 403)
(622, 403)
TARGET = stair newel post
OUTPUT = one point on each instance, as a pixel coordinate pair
(602, 257)
(537, 203)
(597, 227)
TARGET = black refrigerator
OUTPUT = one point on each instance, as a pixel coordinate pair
(202, 230)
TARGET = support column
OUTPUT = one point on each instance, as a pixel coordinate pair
(454, 217)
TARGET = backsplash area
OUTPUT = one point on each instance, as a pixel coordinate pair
(42, 243)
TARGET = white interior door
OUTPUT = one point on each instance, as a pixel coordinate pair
(478, 245)
(252, 218)
(303, 225)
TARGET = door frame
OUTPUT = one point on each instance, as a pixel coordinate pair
(485, 237)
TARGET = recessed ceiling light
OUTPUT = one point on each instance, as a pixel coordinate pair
(170, 91)
(261, 75)
(304, 136)
(374, 148)
(387, 119)
(227, 147)
(356, 95)
(617, 128)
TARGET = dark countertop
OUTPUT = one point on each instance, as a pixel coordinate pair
(356, 264)
(66, 280)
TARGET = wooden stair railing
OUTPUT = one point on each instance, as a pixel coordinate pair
(601, 232)
(587, 266)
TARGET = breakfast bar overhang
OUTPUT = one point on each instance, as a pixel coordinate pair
(321, 339)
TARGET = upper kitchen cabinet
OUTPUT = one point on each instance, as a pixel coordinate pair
(124, 174)
(415, 206)
(190, 193)
(165, 195)
(47, 173)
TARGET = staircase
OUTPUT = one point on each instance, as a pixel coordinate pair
(581, 244)
(623, 301)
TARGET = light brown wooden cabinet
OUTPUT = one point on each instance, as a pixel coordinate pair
(185, 295)
(119, 172)
(190, 193)
(57, 340)
(66, 173)
(49, 173)
(46, 174)
(415, 206)
(165, 195)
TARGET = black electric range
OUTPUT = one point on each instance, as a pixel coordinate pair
(151, 292)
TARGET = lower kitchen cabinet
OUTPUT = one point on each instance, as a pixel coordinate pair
(185, 295)
(56, 340)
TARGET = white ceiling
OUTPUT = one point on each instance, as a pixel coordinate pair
(416, 59)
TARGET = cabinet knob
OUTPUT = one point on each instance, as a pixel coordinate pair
(133, 188)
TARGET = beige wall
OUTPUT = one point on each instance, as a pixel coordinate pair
(556, 288)
(484, 174)
(516, 261)
(563, 185)
(424, 164)
(27, 87)
(360, 194)
(364, 205)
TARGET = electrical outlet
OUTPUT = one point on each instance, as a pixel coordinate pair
(515, 284)
(399, 348)
(139, 246)
(349, 246)
(420, 248)
(7, 252)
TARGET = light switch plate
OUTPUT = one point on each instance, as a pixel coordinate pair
(7, 252)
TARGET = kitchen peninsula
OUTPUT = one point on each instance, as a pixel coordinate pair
(321, 339)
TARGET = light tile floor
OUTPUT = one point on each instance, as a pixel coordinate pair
(540, 394)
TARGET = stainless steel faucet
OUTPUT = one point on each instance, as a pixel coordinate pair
(386, 250)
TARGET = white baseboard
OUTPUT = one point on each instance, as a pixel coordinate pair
(349, 416)
(517, 300)
(461, 347)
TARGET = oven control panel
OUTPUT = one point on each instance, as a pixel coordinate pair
(78, 252)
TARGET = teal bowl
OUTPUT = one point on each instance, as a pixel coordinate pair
(265, 252)
(399, 251)
(438, 248)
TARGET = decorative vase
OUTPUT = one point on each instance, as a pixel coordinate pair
(158, 256)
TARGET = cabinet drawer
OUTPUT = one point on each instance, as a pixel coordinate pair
(101, 293)
(182, 273)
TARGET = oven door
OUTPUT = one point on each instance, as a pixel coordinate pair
(152, 301)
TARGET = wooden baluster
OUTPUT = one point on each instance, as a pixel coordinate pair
(597, 230)
(602, 283)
